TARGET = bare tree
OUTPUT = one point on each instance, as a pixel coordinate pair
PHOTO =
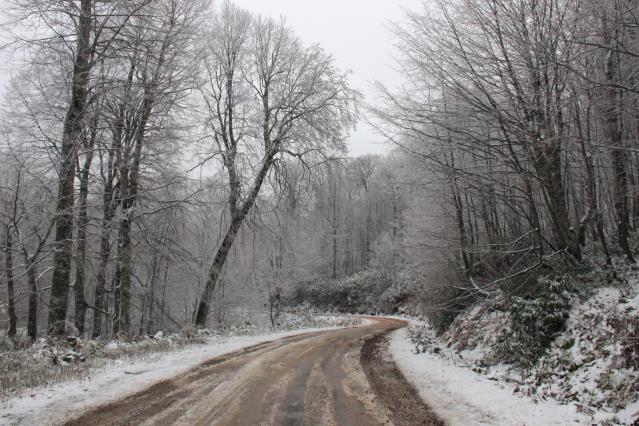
(268, 96)
(164, 73)
(28, 226)
(613, 112)
(71, 138)
(91, 27)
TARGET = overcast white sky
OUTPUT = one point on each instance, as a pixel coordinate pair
(354, 32)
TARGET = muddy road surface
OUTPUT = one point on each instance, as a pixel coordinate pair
(336, 377)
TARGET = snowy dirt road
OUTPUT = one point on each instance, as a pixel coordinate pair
(336, 377)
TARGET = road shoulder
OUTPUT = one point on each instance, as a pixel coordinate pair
(391, 387)
(461, 396)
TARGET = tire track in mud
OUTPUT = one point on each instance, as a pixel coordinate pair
(388, 383)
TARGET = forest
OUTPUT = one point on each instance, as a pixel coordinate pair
(171, 163)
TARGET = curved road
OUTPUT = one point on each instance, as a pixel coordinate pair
(336, 377)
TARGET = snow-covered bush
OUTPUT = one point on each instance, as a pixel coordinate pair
(366, 292)
(422, 338)
(591, 362)
(399, 292)
(478, 330)
(594, 361)
(626, 326)
(535, 322)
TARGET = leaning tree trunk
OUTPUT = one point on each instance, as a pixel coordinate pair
(8, 263)
(203, 308)
(72, 130)
(202, 313)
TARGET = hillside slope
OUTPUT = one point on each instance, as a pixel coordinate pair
(591, 363)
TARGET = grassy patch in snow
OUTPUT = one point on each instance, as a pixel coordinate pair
(49, 362)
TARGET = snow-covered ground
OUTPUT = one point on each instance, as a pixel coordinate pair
(54, 404)
(453, 390)
(588, 375)
(462, 397)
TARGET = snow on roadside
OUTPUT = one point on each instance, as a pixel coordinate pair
(462, 397)
(54, 404)
(594, 361)
(591, 365)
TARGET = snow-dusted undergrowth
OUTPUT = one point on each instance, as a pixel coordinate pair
(595, 362)
(592, 366)
(462, 397)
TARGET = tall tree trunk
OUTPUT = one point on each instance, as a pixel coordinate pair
(459, 213)
(334, 229)
(533, 217)
(83, 222)
(146, 310)
(32, 316)
(59, 299)
(368, 231)
(130, 183)
(100, 288)
(108, 211)
(122, 282)
(549, 167)
(621, 190)
(593, 213)
(110, 204)
(472, 240)
(334, 220)
(11, 298)
(614, 126)
(160, 318)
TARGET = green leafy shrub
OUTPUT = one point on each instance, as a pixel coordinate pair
(536, 321)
